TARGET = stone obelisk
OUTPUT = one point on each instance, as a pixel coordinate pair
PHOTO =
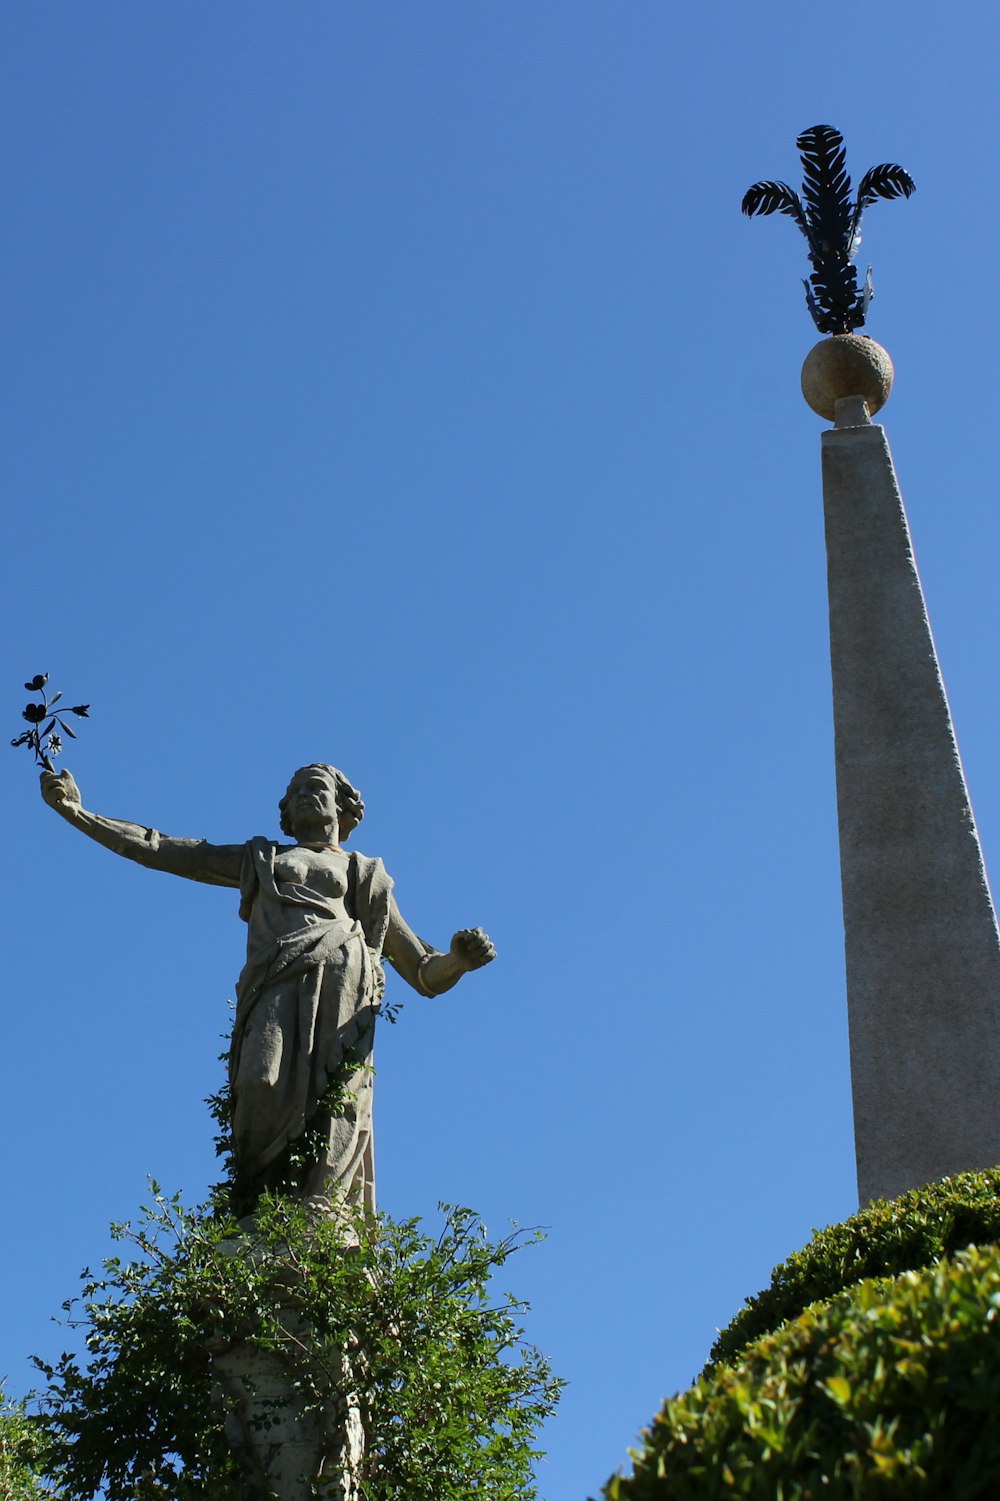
(923, 952)
(922, 947)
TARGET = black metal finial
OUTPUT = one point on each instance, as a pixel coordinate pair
(830, 223)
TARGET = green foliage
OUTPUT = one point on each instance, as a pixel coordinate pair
(888, 1237)
(23, 1454)
(888, 1393)
(452, 1393)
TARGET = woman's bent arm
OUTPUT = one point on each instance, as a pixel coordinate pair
(427, 970)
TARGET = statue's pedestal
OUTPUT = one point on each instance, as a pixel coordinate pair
(284, 1441)
(296, 1427)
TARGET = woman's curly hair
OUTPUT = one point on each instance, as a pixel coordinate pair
(350, 808)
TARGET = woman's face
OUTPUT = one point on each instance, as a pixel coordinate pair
(312, 805)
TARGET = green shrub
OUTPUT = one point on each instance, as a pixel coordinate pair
(24, 1453)
(888, 1237)
(451, 1392)
(890, 1392)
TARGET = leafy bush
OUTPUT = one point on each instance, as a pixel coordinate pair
(887, 1237)
(451, 1392)
(890, 1392)
(23, 1454)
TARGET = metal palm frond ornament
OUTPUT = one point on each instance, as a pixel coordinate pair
(831, 224)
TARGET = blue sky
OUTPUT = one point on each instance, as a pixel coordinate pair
(399, 385)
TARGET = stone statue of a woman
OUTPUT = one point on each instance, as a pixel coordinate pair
(320, 920)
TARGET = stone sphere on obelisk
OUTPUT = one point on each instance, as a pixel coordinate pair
(921, 940)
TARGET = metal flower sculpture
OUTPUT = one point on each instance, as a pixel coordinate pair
(42, 737)
(831, 224)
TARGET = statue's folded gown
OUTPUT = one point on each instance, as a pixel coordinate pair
(306, 1001)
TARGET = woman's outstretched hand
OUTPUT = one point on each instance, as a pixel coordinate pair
(61, 792)
(471, 948)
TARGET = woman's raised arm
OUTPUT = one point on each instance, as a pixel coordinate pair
(195, 859)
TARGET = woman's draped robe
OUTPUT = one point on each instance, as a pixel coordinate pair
(307, 996)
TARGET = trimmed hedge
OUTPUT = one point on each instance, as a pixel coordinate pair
(889, 1237)
(890, 1392)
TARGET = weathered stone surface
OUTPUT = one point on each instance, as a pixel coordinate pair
(846, 365)
(923, 954)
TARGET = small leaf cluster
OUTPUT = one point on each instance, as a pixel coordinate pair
(43, 738)
(887, 1237)
(889, 1392)
(451, 1392)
